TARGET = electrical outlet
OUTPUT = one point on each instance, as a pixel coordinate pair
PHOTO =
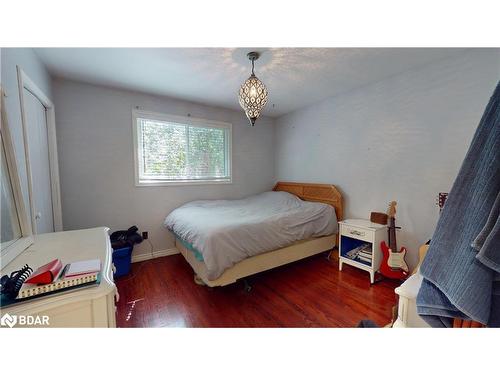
(145, 235)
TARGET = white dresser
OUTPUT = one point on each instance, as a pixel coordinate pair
(407, 305)
(89, 307)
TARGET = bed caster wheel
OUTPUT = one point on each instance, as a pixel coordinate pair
(197, 280)
(247, 287)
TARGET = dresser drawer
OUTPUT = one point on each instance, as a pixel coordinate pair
(355, 232)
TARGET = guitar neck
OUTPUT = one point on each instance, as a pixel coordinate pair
(392, 235)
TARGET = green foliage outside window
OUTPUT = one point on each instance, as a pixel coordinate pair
(177, 151)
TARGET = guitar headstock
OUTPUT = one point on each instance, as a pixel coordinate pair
(391, 210)
(441, 200)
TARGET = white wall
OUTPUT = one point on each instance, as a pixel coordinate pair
(400, 139)
(94, 131)
(33, 67)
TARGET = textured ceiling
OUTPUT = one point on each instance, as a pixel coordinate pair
(295, 77)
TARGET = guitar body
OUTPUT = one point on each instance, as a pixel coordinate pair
(397, 259)
(393, 263)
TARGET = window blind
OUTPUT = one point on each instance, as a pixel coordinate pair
(173, 151)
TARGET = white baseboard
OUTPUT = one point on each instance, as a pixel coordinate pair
(155, 254)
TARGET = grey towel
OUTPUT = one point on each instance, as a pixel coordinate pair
(460, 269)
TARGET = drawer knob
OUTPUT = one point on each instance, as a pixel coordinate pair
(357, 233)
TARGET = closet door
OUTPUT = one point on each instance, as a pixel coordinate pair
(38, 147)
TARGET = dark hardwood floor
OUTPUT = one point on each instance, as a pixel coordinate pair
(308, 293)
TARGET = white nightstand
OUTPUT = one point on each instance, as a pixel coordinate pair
(357, 232)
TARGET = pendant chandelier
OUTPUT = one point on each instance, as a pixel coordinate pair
(253, 93)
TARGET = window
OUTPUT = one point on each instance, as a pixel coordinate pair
(180, 150)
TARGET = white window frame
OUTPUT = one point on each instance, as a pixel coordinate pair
(184, 120)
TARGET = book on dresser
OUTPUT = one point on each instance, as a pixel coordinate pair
(60, 285)
(85, 274)
(83, 267)
(46, 273)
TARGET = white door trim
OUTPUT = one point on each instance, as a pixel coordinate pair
(25, 82)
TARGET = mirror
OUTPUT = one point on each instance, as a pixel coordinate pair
(9, 221)
(15, 232)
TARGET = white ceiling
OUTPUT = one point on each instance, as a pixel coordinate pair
(295, 77)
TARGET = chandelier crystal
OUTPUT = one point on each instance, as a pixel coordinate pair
(253, 93)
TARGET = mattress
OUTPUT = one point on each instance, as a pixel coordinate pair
(224, 232)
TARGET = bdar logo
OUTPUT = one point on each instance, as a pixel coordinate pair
(8, 320)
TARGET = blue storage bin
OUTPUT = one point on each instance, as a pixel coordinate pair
(122, 259)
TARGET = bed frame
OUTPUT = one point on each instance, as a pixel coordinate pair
(324, 193)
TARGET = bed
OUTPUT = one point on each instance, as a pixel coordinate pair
(219, 238)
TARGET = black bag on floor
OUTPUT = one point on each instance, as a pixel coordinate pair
(125, 238)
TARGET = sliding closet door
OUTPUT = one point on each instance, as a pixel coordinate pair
(37, 137)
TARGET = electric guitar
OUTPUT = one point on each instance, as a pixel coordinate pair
(393, 263)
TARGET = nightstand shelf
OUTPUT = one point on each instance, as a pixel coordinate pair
(359, 233)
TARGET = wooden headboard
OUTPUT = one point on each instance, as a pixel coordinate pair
(323, 193)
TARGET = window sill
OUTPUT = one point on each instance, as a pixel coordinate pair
(151, 183)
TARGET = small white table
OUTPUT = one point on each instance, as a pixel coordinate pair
(356, 232)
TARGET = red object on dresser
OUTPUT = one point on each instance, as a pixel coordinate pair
(45, 274)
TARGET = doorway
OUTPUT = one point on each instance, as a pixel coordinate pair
(37, 113)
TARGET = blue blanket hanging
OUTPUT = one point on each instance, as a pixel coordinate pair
(462, 267)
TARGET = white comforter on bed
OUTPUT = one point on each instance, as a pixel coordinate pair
(227, 231)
